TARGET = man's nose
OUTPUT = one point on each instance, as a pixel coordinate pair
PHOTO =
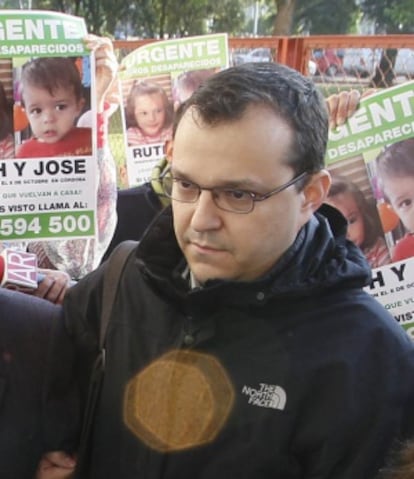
(206, 214)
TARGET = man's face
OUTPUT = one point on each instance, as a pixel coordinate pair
(347, 205)
(400, 192)
(51, 117)
(248, 154)
(150, 113)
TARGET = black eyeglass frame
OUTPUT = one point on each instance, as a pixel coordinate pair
(254, 196)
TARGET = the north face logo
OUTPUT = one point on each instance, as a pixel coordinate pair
(266, 395)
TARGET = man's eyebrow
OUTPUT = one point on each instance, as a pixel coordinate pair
(240, 184)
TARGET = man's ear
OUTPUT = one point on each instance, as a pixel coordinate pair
(169, 150)
(316, 191)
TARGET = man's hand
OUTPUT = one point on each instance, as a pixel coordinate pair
(56, 465)
(53, 286)
(341, 106)
(344, 104)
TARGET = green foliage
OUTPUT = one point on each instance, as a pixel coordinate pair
(159, 18)
(313, 16)
(390, 16)
(227, 16)
(325, 16)
(266, 19)
(337, 16)
(185, 18)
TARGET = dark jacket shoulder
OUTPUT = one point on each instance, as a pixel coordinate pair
(136, 207)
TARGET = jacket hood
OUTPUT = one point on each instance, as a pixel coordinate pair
(319, 259)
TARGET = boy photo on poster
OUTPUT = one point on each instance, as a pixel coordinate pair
(53, 95)
(394, 168)
(49, 74)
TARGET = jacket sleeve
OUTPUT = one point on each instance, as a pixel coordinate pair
(71, 356)
(25, 332)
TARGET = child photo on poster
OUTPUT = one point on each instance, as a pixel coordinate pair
(149, 114)
(155, 79)
(47, 85)
(54, 95)
(395, 173)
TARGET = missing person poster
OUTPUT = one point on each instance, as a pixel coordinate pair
(47, 160)
(155, 79)
(371, 159)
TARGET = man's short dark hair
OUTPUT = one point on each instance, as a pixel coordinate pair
(226, 95)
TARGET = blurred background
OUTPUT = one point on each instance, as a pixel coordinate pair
(340, 44)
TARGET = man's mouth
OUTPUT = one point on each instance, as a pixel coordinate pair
(207, 248)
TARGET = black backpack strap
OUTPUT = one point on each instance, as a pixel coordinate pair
(115, 265)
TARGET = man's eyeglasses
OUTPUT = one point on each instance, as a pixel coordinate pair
(227, 199)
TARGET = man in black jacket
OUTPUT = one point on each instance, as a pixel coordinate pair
(242, 343)
(25, 333)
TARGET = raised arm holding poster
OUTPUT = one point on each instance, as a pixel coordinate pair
(155, 79)
(48, 186)
(371, 159)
